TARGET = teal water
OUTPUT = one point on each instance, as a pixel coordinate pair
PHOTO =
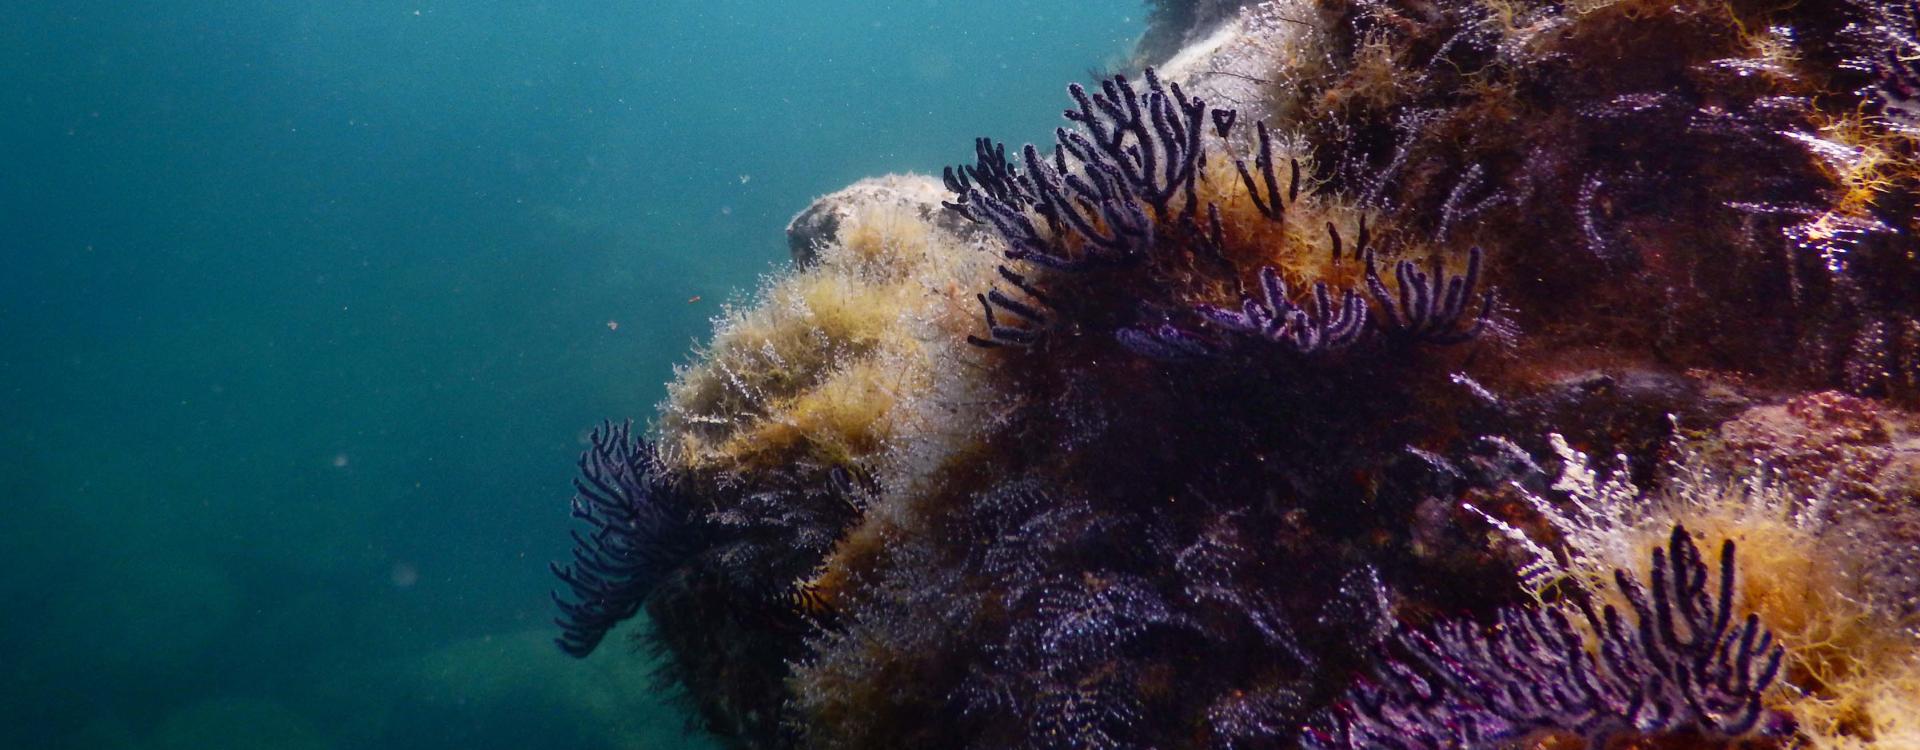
(304, 314)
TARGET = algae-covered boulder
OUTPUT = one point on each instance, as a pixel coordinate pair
(1383, 374)
(817, 227)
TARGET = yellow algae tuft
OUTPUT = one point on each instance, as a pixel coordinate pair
(889, 237)
(843, 418)
(813, 372)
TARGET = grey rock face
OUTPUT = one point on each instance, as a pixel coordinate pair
(1174, 24)
(819, 223)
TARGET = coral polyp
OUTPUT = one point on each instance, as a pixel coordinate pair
(1253, 409)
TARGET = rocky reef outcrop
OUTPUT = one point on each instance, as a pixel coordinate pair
(1468, 374)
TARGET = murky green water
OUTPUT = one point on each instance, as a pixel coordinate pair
(306, 307)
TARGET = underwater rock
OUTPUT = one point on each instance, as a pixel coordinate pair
(236, 723)
(836, 384)
(514, 689)
(1862, 447)
(103, 733)
(1174, 25)
(1173, 431)
(166, 611)
(818, 225)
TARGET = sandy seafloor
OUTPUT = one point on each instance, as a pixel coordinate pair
(307, 306)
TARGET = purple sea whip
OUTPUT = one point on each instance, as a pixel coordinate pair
(641, 529)
(1682, 665)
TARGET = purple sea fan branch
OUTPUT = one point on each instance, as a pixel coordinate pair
(641, 529)
(1115, 189)
(1270, 315)
(999, 334)
(1152, 141)
(1429, 306)
(1165, 341)
(1273, 316)
(1680, 667)
(1138, 153)
(1271, 206)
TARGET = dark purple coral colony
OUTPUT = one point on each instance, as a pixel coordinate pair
(640, 529)
(1685, 663)
(1121, 191)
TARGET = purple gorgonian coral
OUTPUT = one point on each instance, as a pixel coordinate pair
(1683, 664)
(641, 529)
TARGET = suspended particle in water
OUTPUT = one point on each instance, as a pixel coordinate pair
(404, 574)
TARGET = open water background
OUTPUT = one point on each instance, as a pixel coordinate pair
(304, 315)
